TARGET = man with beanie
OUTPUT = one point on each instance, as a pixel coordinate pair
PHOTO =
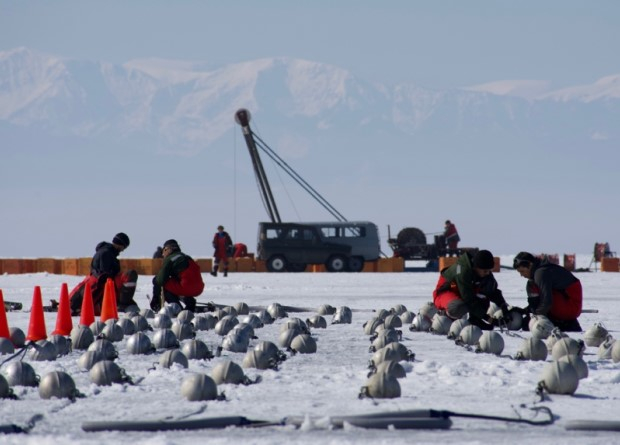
(468, 286)
(179, 279)
(104, 265)
(552, 291)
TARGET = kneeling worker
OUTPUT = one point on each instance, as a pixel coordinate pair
(552, 291)
(179, 277)
(104, 265)
(468, 286)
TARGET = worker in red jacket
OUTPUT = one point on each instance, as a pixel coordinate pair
(452, 238)
(179, 277)
(221, 243)
(552, 291)
(241, 250)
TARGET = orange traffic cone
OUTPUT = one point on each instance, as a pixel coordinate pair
(108, 307)
(4, 324)
(64, 324)
(36, 328)
(87, 314)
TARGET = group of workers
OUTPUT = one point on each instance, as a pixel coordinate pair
(467, 287)
(178, 281)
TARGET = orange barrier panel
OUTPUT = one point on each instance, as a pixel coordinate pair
(446, 261)
(260, 266)
(83, 266)
(570, 261)
(318, 268)
(244, 264)
(370, 266)
(69, 266)
(145, 266)
(206, 264)
(232, 265)
(28, 266)
(496, 267)
(49, 265)
(610, 264)
(129, 264)
(384, 265)
(398, 264)
(11, 266)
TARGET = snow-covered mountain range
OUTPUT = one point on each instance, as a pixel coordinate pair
(186, 107)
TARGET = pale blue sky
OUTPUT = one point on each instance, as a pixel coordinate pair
(438, 44)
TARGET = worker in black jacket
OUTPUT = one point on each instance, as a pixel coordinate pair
(104, 265)
(552, 291)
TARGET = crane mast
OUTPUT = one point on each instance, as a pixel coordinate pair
(242, 117)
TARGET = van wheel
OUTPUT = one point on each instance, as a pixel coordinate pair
(356, 264)
(336, 263)
(276, 263)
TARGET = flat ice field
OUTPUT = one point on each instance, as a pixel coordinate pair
(444, 375)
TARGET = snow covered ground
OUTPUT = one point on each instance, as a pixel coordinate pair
(444, 376)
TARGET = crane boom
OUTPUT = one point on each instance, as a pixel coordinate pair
(242, 117)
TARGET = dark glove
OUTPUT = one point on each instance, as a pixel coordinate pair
(533, 303)
(504, 321)
(522, 311)
(505, 311)
(499, 322)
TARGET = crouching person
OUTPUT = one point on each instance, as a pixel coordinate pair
(104, 265)
(179, 279)
(552, 291)
(468, 286)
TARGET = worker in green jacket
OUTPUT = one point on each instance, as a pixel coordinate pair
(468, 286)
(179, 279)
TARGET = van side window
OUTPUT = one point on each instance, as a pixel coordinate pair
(329, 232)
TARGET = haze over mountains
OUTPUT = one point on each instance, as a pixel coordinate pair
(346, 134)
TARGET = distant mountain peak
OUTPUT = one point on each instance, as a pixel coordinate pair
(607, 87)
(526, 89)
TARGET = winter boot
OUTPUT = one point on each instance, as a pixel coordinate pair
(568, 325)
(225, 272)
(214, 271)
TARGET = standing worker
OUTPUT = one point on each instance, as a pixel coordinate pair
(221, 243)
(552, 291)
(104, 265)
(179, 277)
(452, 238)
